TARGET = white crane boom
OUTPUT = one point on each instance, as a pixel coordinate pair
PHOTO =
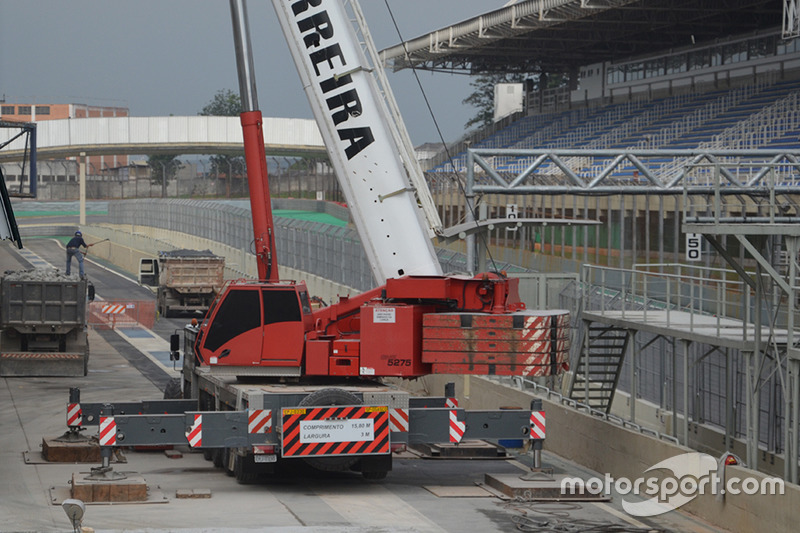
(381, 181)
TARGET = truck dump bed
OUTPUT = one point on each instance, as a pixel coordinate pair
(43, 324)
(191, 270)
(32, 301)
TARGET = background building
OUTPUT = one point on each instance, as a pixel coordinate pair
(33, 112)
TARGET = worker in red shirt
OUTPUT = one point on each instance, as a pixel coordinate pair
(74, 249)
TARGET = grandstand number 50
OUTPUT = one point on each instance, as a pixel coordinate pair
(693, 246)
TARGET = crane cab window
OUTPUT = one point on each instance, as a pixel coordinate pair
(280, 305)
(237, 313)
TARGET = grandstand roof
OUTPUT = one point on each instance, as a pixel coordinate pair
(557, 35)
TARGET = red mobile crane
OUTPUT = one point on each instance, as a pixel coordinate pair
(315, 387)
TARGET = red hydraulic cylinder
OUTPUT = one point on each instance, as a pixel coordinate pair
(260, 204)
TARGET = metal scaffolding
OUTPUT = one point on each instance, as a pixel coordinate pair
(746, 206)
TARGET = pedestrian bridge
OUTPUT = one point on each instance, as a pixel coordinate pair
(63, 138)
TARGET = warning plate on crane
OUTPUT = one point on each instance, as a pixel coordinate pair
(337, 430)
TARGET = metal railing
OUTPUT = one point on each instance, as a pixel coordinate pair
(702, 299)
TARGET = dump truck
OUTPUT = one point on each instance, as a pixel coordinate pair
(186, 280)
(43, 324)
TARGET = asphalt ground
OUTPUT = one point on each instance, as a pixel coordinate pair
(419, 495)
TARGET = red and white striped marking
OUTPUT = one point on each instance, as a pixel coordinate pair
(195, 433)
(398, 420)
(113, 309)
(108, 431)
(537, 425)
(456, 428)
(259, 420)
(452, 403)
(74, 415)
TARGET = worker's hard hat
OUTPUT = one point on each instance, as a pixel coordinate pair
(78, 233)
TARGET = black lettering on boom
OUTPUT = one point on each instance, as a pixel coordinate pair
(359, 139)
(321, 24)
(299, 7)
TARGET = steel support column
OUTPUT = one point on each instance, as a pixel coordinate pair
(792, 365)
(631, 345)
(470, 210)
(686, 345)
(82, 188)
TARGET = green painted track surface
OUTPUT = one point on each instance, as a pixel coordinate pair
(311, 216)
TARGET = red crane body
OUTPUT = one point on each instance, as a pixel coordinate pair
(411, 325)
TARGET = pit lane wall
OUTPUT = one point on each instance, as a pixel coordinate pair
(620, 452)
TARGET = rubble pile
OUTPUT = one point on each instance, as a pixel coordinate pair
(40, 274)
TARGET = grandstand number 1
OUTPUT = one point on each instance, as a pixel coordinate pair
(693, 246)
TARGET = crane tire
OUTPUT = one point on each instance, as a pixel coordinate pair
(326, 397)
(173, 389)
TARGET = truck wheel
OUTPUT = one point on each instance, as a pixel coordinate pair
(173, 389)
(226, 461)
(374, 476)
(208, 454)
(218, 456)
(325, 397)
(244, 469)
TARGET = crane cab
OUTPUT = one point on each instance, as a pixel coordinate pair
(256, 325)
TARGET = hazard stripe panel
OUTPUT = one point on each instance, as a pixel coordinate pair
(74, 415)
(259, 421)
(108, 431)
(457, 428)
(537, 425)
(335, 430)
(42, 355)
(195, 433)
(398, 420)
(113, 309)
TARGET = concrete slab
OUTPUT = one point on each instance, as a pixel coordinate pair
(471, 449)
(473, 491)
(520, 487)
(192, 493)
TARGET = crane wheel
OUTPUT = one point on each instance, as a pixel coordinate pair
(173, 389)
(244, 469)
(326, 397)
(218, 456)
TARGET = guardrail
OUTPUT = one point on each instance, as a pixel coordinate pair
(552, 395)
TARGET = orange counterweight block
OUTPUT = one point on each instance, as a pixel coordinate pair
(524, 343)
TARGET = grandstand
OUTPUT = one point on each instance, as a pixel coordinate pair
(767, 109)
(670, 102)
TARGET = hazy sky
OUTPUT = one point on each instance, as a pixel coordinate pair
(162, 57)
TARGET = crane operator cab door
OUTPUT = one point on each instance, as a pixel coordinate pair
(256, 324)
